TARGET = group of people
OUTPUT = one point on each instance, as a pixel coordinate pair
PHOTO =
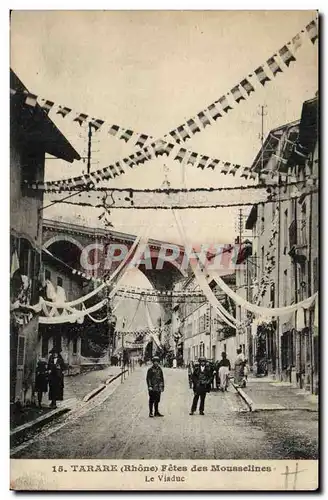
(49, 377)
(220, 371)
(201, 375)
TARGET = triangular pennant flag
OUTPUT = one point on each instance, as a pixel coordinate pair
(47, 105)
(193, 126)
(119, 167)
(142, 140)
(192, 159)
(224, 103)
(247, 86)
(126, 136)
(286, 55)
(148, 152)
(234, 169)
(245, 173)
(63, 111)
(213, 164)
(168, 149)
(261, 75)
(203, 119)
(297, 42)
(158, 147)
(273, 65)
(129, 162)
(236, 94)
(79, 180)
(202, 162)
(181, 154)
(80, 118)
(183, 133)
(175, 136)
(224, 170)
(107, 173)
(98, 175)
(214, 112)
(31, 100)
(113, 171)
(140, 157)
(96, 123)
(312, 31)
(113, 130)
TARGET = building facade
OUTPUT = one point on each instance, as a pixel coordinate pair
(202, 331)
(285, 234)
(32, 135)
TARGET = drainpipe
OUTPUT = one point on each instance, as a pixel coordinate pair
(278, 353)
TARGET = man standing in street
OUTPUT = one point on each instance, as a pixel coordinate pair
(56, 367)
(155, 383)
(202, 378)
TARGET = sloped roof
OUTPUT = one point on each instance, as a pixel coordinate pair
(32, 125)
(271, 143)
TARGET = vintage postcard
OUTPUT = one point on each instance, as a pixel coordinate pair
(164, 298)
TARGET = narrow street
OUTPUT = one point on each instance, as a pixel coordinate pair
(116, 426)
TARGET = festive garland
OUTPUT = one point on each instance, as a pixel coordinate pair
(204, 117)
(183, 207)
(212, 112)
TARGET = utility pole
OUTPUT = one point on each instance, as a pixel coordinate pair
(240, 224)
(89, 147)
(262, 113)
(122, 359)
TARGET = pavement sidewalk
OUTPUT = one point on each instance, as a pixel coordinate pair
(268, 394)
(78, 386)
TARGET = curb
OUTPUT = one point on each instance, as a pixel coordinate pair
(245, 397)
(257, 407)
(93, 393)
(15, 434)
(101, 387)
(110, 380)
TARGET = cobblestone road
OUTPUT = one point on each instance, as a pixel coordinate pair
(119, 428)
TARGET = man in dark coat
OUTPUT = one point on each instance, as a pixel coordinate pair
(202, 378)
(155, 383)
(56, 367)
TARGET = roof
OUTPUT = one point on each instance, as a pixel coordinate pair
(309, 124)
(32, 125)
(251, 219)
(271, 143)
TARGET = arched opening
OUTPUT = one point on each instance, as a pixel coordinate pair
(67, 251)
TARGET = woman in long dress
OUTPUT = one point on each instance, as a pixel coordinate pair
(239, 368)
(224, 369)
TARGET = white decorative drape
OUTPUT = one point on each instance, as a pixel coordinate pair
(263, 311)
(71, 318)
(201, 279)
(121, 266)
(151, 327)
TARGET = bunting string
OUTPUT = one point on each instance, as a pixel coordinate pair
(165, 202)
(265, 73)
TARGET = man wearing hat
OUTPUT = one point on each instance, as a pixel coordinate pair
(202, 378)
(155, 383)
(56, 367)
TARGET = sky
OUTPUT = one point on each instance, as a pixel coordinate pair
(150, 71)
